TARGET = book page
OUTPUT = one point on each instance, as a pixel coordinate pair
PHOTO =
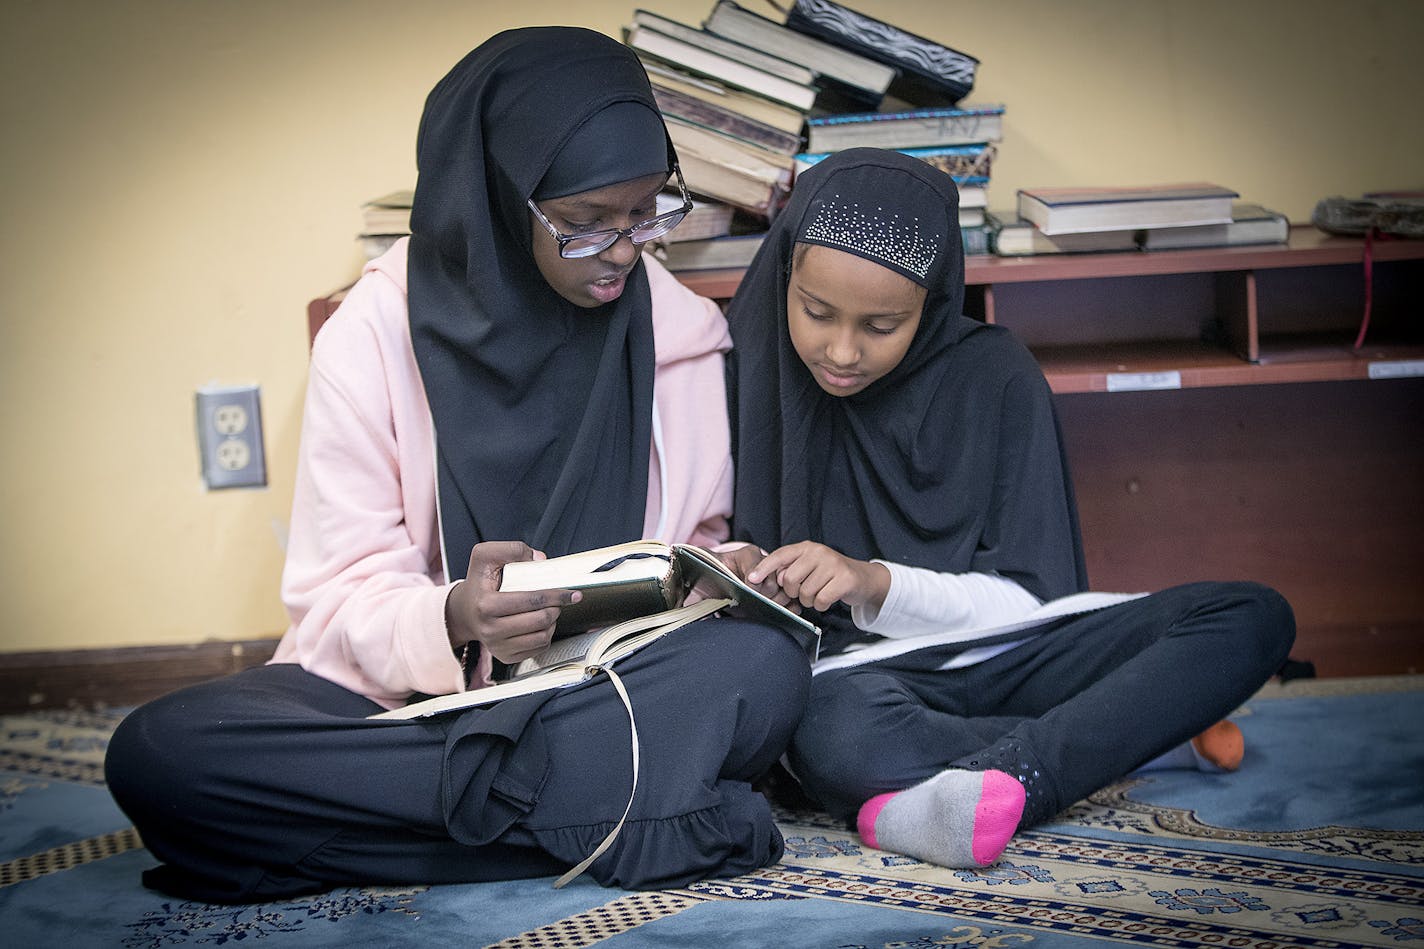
(708, 575)
(570, 649)
(605, 648)
(456, 701)
(595, 647)
(1071, 605)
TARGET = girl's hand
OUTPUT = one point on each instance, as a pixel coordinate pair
(817, 576)
(511, 626)
(741, 560)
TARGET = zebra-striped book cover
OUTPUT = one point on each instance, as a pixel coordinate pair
(928, 72)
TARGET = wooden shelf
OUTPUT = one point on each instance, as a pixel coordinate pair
(1130, 367)
(715, 284)
(1140, 366)
(1306, 247)
(1104, 358)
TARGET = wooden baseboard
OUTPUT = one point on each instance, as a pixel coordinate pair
(94, 678)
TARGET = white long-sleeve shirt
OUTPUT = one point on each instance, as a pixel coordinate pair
(924, 601)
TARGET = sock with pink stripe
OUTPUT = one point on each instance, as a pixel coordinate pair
(955, 819)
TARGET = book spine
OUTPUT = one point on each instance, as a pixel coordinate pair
(739, 75)
(966, 166)
(905, 130)
(710, 116)
(975, 239)
(860, 77)
(719, 183)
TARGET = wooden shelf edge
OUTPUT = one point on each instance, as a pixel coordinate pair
(714, 284)
(1307, 247)
(1186, 365)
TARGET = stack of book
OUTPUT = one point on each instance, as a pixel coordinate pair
(750, 101)
(920, 115)
(713, 236)
(384, 221)
(959, 140)
(1158, 217)
(735, 94)
(845, 79)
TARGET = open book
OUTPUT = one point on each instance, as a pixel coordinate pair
(1072, 605)
(652, 587)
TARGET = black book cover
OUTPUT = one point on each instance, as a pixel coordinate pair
(927, 73)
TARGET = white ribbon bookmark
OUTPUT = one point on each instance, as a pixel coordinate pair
(633, 731)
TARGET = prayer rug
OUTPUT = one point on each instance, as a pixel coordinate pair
(1318, 840)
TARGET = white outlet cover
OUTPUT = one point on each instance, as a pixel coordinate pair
(229, 422)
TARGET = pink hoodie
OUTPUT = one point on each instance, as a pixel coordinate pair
(364, 582)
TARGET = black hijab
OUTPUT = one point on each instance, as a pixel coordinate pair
(542, 409)
(952, 460)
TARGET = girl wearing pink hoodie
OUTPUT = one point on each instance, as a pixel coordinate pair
(515, 380)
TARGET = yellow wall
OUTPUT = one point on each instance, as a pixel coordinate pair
(180, 178)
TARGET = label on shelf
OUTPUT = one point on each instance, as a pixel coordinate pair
(1143, 381)
(1396, 368)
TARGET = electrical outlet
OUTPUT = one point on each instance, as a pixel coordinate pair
(230, 436)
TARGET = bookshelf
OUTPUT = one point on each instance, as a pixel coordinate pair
(1220, 425)
(1222, 316)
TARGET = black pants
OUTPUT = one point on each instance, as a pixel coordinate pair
(272, 782)
(1071, 710)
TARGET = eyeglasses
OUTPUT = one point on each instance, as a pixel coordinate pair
(595, 242)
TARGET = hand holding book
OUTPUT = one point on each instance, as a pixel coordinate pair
(510, 626)
(641, 588)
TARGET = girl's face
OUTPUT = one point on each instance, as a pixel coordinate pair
(599, 279)
(851, 320)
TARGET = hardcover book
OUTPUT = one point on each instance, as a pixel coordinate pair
(841, 74)
(725, 169)
(972, 194)
(1076, 210)
(911, 128)
(1012, 236)
(1250, 224)
(966, 164)
(722, 119)
(703, 62)
(655, 588)
(974, 238)
(713, 253)
(388, 214)
(761, 109)
(927, 72)
(706, 219)
(724, 47)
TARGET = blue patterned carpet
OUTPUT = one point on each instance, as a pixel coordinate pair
(1317, 841)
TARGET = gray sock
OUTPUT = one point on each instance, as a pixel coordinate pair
(955, 819)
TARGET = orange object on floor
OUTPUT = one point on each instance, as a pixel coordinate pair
(1222, 744)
